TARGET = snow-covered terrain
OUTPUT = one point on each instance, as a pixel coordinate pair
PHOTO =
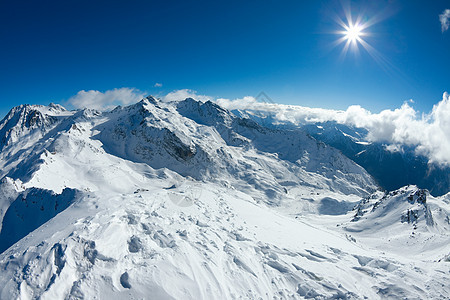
(391, 165)
(185, 200)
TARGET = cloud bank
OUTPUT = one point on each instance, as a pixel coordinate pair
(179, 95)
(107, 100)
(428, 133)
(444, 18)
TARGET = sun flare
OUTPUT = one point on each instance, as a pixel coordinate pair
(353, 32)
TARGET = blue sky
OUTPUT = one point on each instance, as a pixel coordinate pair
(50, 50)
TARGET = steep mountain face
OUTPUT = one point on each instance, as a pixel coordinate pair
(186, 200)
(22, 130)
(29, 210)
(28, 122)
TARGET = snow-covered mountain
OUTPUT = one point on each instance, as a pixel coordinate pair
(406, 216)
(392, 166)
(186, 200)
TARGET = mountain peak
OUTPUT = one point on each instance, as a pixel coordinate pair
(150, 99)
(207, 113)
(56, 108)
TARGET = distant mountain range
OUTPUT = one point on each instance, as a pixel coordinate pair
(391, 167)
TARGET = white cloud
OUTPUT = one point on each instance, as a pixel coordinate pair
(158, 84)
(394, 148)
(248, 102)
(444, 18)
(179, 95)
(107, 100)
(429, 133)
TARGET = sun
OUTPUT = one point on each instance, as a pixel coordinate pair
(356, 31)
(353, 33)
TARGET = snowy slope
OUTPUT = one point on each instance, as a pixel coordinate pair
(28, 123)
(391, 167)
(408, 217)
(185, 200)
(223, 246)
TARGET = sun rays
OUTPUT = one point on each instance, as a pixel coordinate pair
(354, 34)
